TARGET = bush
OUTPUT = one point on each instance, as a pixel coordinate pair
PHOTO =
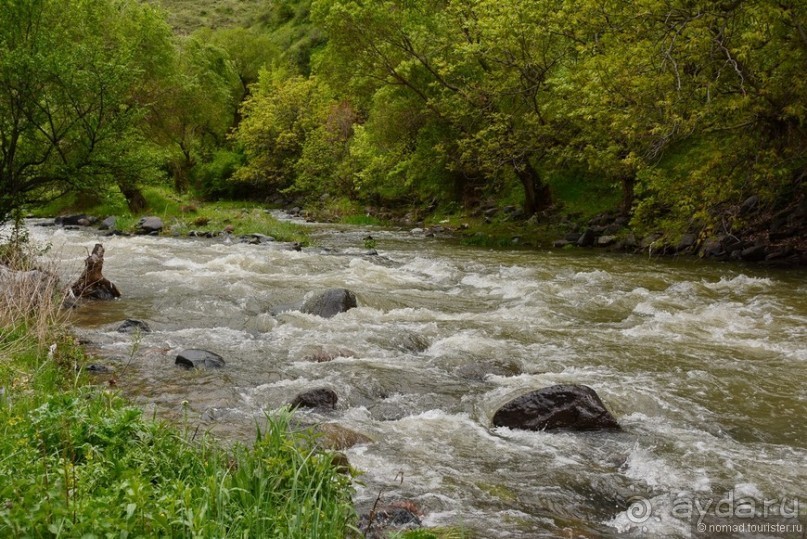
(212, 179)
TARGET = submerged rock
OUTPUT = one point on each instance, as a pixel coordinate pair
(478, 371)
(199, 359)
(329, 303)
(130, 325)
(336, 437)
(316, 398)
(97, 369)
(573, 407)
(396, 516)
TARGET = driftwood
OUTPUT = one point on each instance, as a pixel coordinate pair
(92, 284)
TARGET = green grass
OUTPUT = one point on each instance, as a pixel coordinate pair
(182, 214)
(361, 220)
(77, 460)
(583, 195)
(188, 15)
(434, 533)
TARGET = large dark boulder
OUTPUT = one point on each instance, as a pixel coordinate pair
(573, 407)
(194, 358)
(329, 303)
(316, 398)
(149, 225)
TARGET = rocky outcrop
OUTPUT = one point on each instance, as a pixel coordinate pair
(92, 284)
(329, 303)
(316, 398)
(751, 231)
(572, 407)
(195, 358)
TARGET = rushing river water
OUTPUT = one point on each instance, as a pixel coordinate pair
(703, 365)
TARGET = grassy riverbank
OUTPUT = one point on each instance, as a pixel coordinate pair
(182, 214)
(79, 461)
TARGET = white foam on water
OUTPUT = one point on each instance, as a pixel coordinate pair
(471, 342)
(643, 466)
(739, 283)
(650, 517)
(436, 271)
(668, 350)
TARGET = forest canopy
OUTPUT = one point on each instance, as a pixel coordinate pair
(671, 111)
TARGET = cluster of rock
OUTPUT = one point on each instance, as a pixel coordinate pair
(602, 231)
(758, 235)
(154, 226)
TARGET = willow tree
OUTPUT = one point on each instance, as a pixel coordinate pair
(68, 117)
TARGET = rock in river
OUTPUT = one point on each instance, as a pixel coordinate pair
(316, 398)
(130, 325)
(573, 407)
(199, 359)
(329, 303)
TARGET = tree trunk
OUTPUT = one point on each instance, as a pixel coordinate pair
(182, 170)
(92, 283)
(134, 198)
(628, 184)
(537, 196)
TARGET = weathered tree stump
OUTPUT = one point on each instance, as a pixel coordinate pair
(92, 284)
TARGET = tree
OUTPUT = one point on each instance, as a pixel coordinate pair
(249, 52)
(697, 104)
(68, 120)
(481, 68)
(195, 105)
(280, 115)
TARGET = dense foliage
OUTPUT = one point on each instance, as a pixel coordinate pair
(676, 109)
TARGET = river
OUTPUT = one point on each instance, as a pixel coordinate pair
(702, 364)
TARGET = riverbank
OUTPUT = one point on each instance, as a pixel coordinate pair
(80, 461)
(751, 232)
(71, 437)
(177, 215)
